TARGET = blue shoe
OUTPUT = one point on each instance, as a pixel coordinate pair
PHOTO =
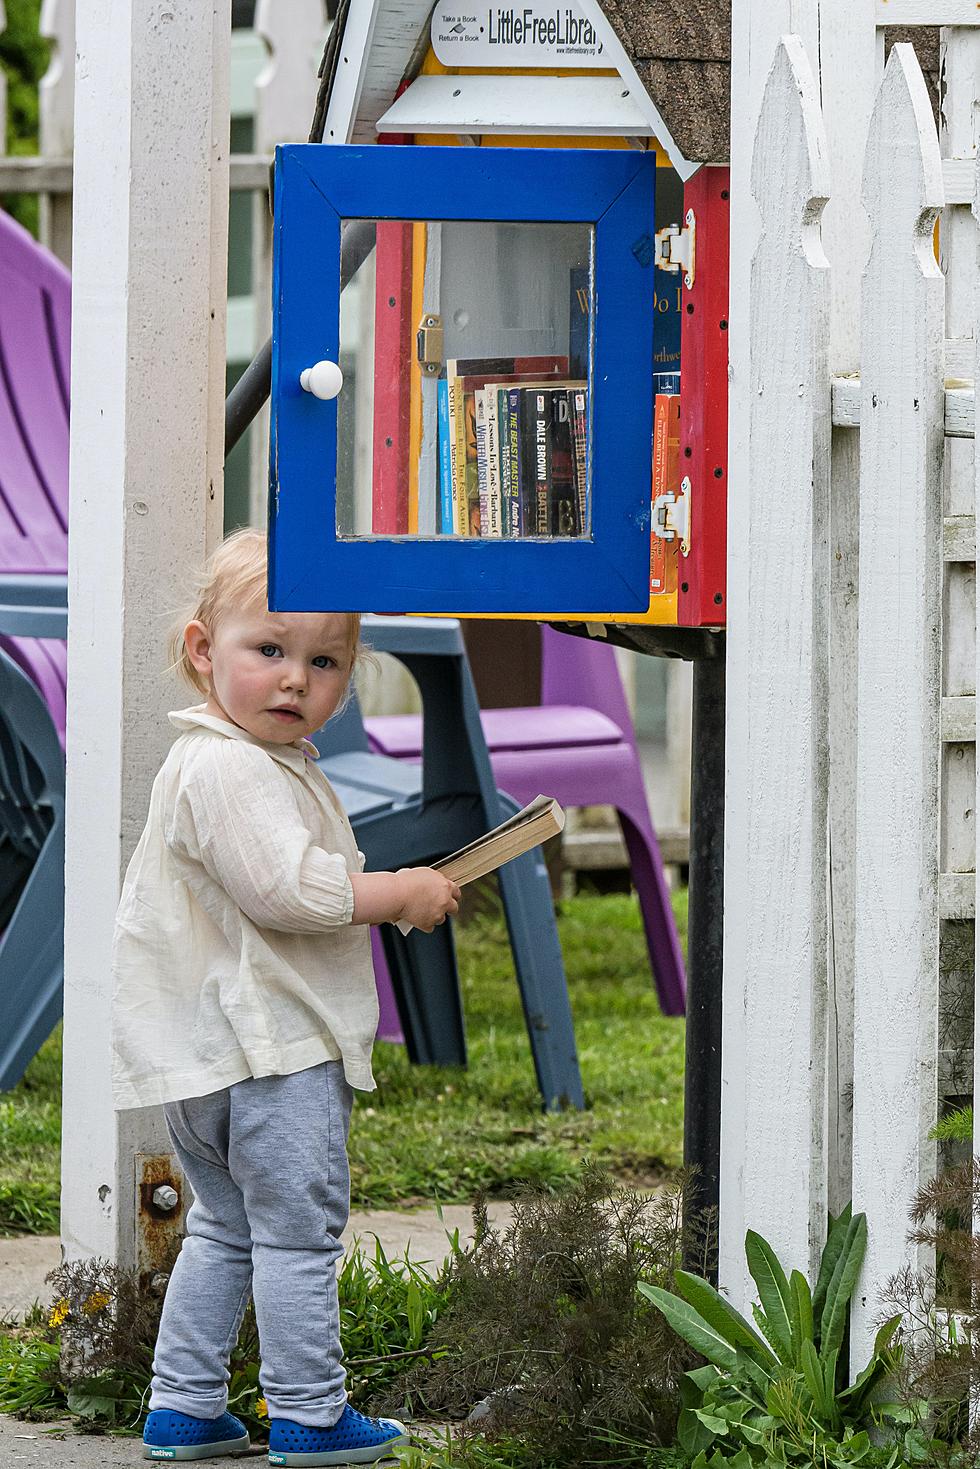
(353, 1439)
(170, 1435)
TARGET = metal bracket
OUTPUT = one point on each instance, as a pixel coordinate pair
(674, 248)
(429, 344)
(672, 516)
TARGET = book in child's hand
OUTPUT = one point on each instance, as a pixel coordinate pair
(527, 828)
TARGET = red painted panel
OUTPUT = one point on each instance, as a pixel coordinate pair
(704, 403)
(392, 376)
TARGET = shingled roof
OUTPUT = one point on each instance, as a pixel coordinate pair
(682, 53)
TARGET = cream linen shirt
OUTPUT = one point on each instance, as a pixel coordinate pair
(234, 952)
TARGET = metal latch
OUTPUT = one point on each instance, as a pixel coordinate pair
(672, 516)
(674, 248)
(428, 343)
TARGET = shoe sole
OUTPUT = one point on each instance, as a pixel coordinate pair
(199, 1450)
(343, 1456)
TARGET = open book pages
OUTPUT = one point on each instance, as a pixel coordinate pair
(527, 828)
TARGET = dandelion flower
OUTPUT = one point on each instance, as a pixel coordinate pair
(96, 1302)
(59, 1311)
(261, 1408)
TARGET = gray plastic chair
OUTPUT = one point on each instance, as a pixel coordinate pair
(405, 815)
(32, 878)
(32, 833)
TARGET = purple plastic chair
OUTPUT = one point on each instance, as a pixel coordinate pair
(35, 334)
(582, 753)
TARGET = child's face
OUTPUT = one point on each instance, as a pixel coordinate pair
(278, 675)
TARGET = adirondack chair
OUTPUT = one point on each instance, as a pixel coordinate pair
(35, 325)
(407, 815)
(35, 313)
(578, 745)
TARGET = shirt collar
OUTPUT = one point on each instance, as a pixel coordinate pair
(294, 755)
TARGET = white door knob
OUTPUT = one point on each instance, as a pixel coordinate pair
(323, 379)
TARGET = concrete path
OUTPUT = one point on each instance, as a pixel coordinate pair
(25, 1261)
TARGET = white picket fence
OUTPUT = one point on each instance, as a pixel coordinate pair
(851, 690)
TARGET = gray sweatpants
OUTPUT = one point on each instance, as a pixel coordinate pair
(267, 1161)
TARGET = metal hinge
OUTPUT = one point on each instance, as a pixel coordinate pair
(672, 516)
(428, 343)
(674, 248)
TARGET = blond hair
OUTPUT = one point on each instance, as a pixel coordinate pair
(234, 576)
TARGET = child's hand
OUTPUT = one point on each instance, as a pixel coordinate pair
(428, 897)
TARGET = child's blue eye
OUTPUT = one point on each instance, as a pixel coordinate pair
(268, 650)
(322, 661)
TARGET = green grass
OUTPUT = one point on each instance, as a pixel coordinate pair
(440, 1133)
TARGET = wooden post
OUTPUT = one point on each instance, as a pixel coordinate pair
(150, 250)
(285, 95)
(848, 80)
(56, 108)
(896, 961)
(773, 1054)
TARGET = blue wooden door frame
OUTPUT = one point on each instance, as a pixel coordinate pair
(311, 567)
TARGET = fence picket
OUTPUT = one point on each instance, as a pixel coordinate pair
(975, 1406)
(775, 823)
(896, 963)
(56, 118)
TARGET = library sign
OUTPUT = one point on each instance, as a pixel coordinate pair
(537, 35)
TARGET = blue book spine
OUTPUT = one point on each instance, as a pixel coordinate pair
(446, 520)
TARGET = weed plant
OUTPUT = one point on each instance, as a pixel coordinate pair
(941, 1308)
(548, 1337)
(90, 1354)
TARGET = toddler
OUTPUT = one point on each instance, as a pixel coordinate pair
(244, 1002)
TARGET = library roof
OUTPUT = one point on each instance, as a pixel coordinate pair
(682, 52)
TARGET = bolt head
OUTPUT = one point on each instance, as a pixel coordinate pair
(166, 1197)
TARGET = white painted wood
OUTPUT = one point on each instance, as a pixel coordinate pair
(927, 13)
(960, 72)
(849, 74)
(958, 358)
(775, 946)
(959, 718)
(958, 419)
(56, 118)
(958, 180)
(286, 88)
(148, 369)
(403, 23)
(517, 104)
(897, 920)
(963, 529)
(959, 538)
(957, 894)
(959, 616)
(285, 98)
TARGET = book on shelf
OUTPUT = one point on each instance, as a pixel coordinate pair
(446, 517)
(466, 376)
(533, 824)
(480, 421)
(579, 408)
(665, 480)
(513, 448)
